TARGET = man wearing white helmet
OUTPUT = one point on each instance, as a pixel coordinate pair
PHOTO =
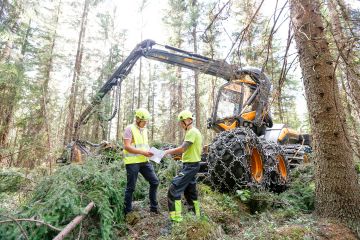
(136, 159)
(185, 181)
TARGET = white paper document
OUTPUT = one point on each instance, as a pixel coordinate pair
(158, 154)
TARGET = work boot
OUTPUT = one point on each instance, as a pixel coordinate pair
(154, 211)
(197, 208)
(175, 216)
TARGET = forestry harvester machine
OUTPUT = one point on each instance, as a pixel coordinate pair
(249, 150)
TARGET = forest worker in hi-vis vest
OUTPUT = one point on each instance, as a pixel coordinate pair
(136, 159)
(185, 181)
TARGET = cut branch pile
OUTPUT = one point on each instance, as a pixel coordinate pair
(61, 197)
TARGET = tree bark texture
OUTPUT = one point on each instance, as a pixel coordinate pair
(8, 93)
(76, 75)
(140, 83)
(196, 77)
(337, 188)
(345, 46)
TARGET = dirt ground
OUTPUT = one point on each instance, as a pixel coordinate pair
(223, 223)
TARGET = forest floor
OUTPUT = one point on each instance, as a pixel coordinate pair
(225, 217)
(247, 214)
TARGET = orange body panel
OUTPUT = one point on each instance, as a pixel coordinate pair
(227, 127)
(287, 132)
(249, 116)
(246, 81)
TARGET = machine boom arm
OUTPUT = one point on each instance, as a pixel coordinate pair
(145, 49)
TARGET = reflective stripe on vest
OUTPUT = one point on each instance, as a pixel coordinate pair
(140, 142)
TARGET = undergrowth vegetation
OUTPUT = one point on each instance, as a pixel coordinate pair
(248, 214)
(12, 179)
(58, 198)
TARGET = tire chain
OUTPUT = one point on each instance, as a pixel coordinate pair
(224, 174)
(274, 181)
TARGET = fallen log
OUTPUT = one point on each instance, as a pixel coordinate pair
(74, 222)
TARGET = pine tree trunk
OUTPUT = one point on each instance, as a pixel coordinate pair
(9, 93)
(281, 115)
(95, 130)
(140, 80)
(14, 11)
(7, 113)
(352, 123)
(12, 157)
(119, 123)
(153, 111)
(111, 110)
(45, 87)
(213, 79)
(345, 47)
(13, 22)
(197, 97)
(127, 103)
(76, 75)
(148, 90)
(337, 189)
(180, 105)
(141, 9)
(172, 111)
(133, 100)
(150, 105)
(6, 51)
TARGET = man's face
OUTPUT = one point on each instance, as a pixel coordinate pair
(141, 123)
(185, 123)
(182, 124)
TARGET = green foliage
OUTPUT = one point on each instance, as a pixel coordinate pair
(11, 180)
(244, 195)
(229, 203)
(111, 152)
(274, 216)
(57, 199)
(195, 229)
(167, 170)
(301, 193)
(298, 198)
(357, 167)
(214, 202)
(141, 189)
(10, 74)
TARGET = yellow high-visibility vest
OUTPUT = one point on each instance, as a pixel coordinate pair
(140, 142)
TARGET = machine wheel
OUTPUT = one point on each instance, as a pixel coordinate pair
(235, 160)
(276, 167)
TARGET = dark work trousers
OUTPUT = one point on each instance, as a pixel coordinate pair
(184, 182)
(147, 170)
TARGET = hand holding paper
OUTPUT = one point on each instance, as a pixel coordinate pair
(158, 154)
